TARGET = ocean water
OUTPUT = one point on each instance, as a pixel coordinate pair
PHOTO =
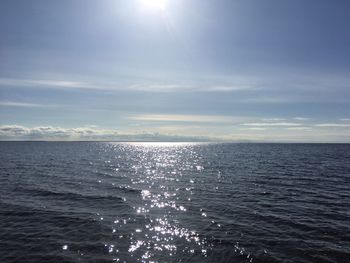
(174, 202)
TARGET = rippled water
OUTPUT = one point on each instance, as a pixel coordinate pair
(174, 202)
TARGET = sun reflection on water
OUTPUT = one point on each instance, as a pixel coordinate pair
(160, 172)
(162, 144)
(157, 182)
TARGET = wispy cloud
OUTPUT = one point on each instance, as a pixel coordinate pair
(271, 124)
(256, 128)
(330, 125)
(182, 118)
(273, 119)
(141, 85)
(345, 119)
(228, 88)
(47, 83)
(269, 100)
(301, 118)
(160, 87)
(20, 104)
(299, 128)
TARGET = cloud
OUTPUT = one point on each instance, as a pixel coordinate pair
(160, 87)
(299, 128)
(268, 100)
(228, 88)
(47, 83)
(330, 125)
(176, 133)
(257, 128)
(345, 119)
(272, 124)
(182, 118)
(186, 87)
(140, 85)
(18, 132)
(20, 104)
(292, 137)
(301, 119)
(274, 119)
(54, 132)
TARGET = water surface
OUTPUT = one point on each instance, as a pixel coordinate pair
(174, 202)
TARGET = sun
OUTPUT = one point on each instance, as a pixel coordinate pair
(154, 4)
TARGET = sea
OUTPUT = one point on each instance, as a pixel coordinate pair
(174, 202)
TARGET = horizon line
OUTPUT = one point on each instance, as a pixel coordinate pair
(208, 142)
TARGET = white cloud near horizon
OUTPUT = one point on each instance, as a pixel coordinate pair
(176, 133)
(91, 132)
(18, 130)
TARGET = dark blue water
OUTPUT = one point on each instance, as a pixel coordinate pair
(169, 202)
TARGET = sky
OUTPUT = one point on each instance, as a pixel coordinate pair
(178, 70)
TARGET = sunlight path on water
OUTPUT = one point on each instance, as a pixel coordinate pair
(158, 172)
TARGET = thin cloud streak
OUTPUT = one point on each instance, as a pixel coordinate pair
(228, 88)
(21, 104)
(160, 87)
(329, 125)
(116, 86)
(182, 118)
(301, 118)
(299, 128)
(273, 124)
(273, 119)
(46, 83)
(256, 128)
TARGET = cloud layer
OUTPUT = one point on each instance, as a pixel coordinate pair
(187, 130)
(89, 133)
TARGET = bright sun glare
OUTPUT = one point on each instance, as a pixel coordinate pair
(154, 4)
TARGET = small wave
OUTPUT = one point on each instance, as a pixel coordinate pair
(67, 195)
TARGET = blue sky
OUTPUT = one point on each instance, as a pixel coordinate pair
(233, 70)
